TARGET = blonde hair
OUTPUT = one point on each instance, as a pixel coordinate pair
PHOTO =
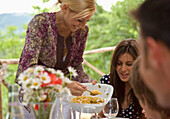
(84, 8)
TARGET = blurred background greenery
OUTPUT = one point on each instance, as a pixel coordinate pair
(107, 28)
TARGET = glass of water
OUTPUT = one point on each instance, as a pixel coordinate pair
(88, 112)
(111, 109)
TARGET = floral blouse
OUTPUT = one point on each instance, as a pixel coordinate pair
(41, 46)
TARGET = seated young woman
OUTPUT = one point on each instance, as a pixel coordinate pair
(122, 60)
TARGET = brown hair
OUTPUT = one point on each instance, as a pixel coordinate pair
(126, 46)
(154, 19)
(140, 89)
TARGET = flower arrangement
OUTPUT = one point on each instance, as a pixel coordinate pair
(41, 84)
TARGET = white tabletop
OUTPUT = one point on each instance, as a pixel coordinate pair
(115, 118)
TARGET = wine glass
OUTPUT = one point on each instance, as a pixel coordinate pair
(111, 108)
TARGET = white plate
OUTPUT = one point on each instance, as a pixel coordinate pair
(105, 89)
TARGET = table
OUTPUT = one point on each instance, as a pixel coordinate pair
(115, 118)
(87, 116)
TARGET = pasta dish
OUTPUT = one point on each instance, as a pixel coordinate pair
(88, 100)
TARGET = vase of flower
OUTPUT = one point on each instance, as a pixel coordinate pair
(48, 110)
(42, 110)
(43, 89)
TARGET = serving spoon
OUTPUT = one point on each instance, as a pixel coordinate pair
(93, 93)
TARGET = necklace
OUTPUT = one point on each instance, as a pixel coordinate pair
(65, 50)
(64, 43)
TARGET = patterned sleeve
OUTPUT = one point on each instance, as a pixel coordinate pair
(105, 79)
(33, 41)
(77, 64)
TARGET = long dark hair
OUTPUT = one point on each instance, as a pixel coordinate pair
(126, 46)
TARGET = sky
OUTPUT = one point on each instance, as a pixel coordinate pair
(25, 6)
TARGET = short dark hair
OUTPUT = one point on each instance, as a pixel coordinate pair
(154, 19)
(140, 89)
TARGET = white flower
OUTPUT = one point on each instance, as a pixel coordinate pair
(59, 74)
(50, 70)
(38, 70)
(44, 77)
(33, 78)
(36, 83)
(29, 71)
(57, 88)
(27, 84)
(42, 97)
(22, 78)
(72, 71)
(66, 80)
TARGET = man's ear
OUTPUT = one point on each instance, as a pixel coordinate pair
(154, 53)
(65, 8)
(145, 101)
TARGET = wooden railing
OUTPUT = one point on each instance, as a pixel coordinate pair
(3, 69)
(5, 62)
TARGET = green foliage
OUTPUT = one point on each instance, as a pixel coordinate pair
(125, 26)
(11, 43)
(38, 9)
(109, 28)
(10, 48)
(45, 1)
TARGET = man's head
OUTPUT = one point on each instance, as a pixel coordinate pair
(146, 98)
(154, 20)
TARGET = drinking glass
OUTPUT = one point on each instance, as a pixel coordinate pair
(14, 109)
(88, 112)
(111, 108)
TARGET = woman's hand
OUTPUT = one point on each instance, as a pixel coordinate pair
(76, 88)
(94, 82)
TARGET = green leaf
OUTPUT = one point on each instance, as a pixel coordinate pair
(45, 1)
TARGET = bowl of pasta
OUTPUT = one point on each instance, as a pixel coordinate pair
(91, 103)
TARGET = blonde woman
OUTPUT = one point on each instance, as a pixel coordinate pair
(57, 40)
